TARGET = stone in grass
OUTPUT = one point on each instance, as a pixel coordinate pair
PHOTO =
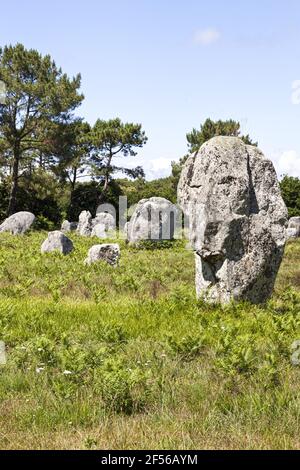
(293, 230)
(69, 226)
(238, 220)
(99, 231)
(109, 252)
(18, 224)
(125, 230)
(85, 224)
(291, 233)
(57, 241)
(105, 219)
(153, 219)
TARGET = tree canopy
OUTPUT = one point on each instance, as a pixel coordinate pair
(210, 129)
(39, 99)
(55, 164)
(290, 188)
(112, 139)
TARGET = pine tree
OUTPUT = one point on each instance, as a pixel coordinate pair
(211, 129)
(112, 139)
(39, 99)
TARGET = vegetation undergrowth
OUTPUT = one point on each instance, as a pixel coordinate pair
(122, 358)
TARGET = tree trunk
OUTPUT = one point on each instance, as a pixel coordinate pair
(14, 184)
(71, 203)
(101, 198)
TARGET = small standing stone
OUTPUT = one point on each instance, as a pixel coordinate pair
(107, 252)
(105, 219)
(126, 227)
(99, 231)
(85, 224)
(69, 226)
(293, 230)
(57, 241)
(153, 219)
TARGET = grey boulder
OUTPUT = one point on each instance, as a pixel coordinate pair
(105, 219)
(153, 219)
(291, 233)
(104, 225)
(125, 229)
(238, 219)
(84, 227)
(68, 226)
(99, 231)
(293, 230)
(18, 224)
(57, 241)
(109, 253)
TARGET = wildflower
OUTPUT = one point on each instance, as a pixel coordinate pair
(67, 372)
(39, 369)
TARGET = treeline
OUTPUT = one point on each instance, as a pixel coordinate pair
(48, 199)
(55, 164)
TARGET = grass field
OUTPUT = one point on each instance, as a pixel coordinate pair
(127, 358)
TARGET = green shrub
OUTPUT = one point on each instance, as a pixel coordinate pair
(123, 390)
(42, 223)
(236, 354)
(158, 244)
(187, 347)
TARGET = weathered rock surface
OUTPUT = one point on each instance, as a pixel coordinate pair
(107, 252)
(57, 241)
(291, 233)
(237, 220)
(125, 230)
(99, 231)
(105, 219)
(69, 226)
(18, 223)
(85, 224)
(153, 219)
(100, 226)
(293, 230)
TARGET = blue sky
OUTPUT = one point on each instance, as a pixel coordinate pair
(171, 64)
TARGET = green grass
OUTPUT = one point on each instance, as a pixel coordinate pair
(127, 358)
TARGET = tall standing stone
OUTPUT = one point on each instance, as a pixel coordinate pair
(238, 219)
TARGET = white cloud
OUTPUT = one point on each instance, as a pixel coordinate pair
(154, 168)
(288, 163)
(295, 98)
(208, 36)
(158, 168)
